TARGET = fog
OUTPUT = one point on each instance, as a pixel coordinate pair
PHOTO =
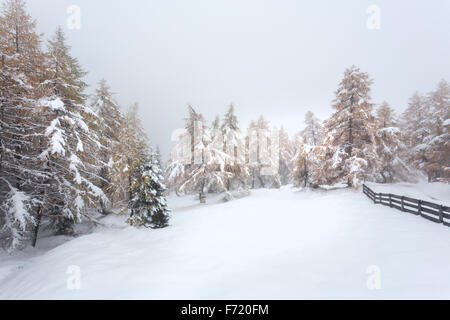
(276, 58)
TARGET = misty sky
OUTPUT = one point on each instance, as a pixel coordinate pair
(277, 58)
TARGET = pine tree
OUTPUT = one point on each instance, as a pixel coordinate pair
(351, 156)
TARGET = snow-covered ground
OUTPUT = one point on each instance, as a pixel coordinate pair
(274, 244)
(433, 192)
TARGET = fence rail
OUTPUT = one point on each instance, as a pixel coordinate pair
(434, 212)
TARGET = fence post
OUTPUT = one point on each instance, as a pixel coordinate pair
(441, 213)
(390, 200)
(420, 206)
(403, 206)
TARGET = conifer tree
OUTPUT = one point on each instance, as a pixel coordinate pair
(69, 140)
(236, 171)
(108, 128)
(307, 171)
(312, 134)
(287, 155)
(390, 147)
(417, 125)
(351, 155)
(21, 74)
(437, 144)
(148, 205)
(206, 171)
(131, 144)
(258, 146)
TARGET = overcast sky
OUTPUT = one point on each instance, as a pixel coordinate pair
(278, 58)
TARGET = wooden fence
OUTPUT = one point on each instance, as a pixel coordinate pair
(434, 212)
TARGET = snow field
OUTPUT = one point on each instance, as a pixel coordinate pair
(274, 244)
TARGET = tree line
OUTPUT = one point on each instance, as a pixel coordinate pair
(360, 141)
(63, 154)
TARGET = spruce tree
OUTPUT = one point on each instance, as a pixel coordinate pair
(147, 205)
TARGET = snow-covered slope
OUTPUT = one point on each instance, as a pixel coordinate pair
(275, 244)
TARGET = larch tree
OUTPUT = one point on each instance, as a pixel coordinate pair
(390, 147)
(108, 129)
(180, 167)
(258, 145)
(351, 155)
(69, 141)
(236, 171)
(417, 126)
(312, 133)
(131, 144)
(206, 172)
(436, 145)
(21, 74)
(286, 159)
(306, 160)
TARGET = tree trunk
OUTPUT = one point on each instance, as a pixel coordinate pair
(202, 196)
(38, 224)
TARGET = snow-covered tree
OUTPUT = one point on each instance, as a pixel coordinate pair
(21, 74)
(438, 143)
(148, 205)
(132, 142)
(307, 168)
(349, 141)
(236, 171)
(202, 162)
(390, 147)
(417, 126)
(108, 128)
(287, 157)
(259, 143)
(312, 133)
(66, 153)
(426, 132)
(15, 218)
(206, 171)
